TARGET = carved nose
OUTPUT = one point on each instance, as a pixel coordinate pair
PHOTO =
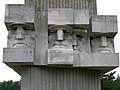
(19, 35)
(60, 35)
(104, 41)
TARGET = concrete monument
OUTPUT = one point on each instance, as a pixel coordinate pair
(60, 44)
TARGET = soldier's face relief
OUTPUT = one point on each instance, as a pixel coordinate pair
(102, 44)
(20, 38)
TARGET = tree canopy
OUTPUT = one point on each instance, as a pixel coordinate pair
(10, 85)
(109, 82)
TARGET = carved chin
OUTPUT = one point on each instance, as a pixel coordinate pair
(20, 46)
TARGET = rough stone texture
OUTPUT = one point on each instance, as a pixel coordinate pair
(60, 16)
(66, 42)
(81, 40)
(19, 14)
(18, 56)
(104, 24)
(70, 53)
(68, 16)
(29, 2)
(41, 30)
(60, 56)
(73, 4)
(19, 37)
(96, 60)
(74, 38)
(47, 78)
(102, 44)
(81, 17)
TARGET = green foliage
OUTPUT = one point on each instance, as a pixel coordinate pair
(10, 85)
(109, 82)
(116, 84)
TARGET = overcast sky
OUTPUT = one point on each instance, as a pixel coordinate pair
(105, 7)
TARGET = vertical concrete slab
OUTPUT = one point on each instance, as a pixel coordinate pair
(26, 81)
(41, 29)
(45, 78)
(32, 86)
(29, 2)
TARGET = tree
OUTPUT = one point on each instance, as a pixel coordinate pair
(107, 81)
(116, 84)
(10, 85)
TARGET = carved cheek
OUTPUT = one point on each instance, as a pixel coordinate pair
(29, 40)
(11, 39)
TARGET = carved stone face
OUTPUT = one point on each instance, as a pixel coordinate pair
(20, 38)
(60, 36)
(102, 44)
(81, 43)
(60, 39)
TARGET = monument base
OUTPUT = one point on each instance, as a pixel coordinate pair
(46, 78)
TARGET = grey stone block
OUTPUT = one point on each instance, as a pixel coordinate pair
(60, 56)
(60, 16)
(19, 56)
(81, 17)
(41, 40)
(19, 14)
(94, 60)
(104, 24)
(68, 16)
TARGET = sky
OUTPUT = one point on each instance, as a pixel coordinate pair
(104, 7)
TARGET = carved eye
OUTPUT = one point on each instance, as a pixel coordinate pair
(26, 31)
(12, 32)
(79, 36)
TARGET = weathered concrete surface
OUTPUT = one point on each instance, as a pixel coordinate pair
(95, 60)
(29, 2)
(18, 56)
(72, 4)
(67, 56)
(19, 14)
(47, 78)
(60, 56)
(104, 24)
(68, 16)
(102, 44)
(41, 30)
(81, 16)
(60, 16)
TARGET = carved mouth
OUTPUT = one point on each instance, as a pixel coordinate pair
(19, 45)
(60, 45)
(106, 50)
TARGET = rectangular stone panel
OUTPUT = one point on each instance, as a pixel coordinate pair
(81, 16)
(104, 24)
(18, 56)
(60, 56)
(68, 16)
(19, 14)
(60, 16)
(94, 60)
